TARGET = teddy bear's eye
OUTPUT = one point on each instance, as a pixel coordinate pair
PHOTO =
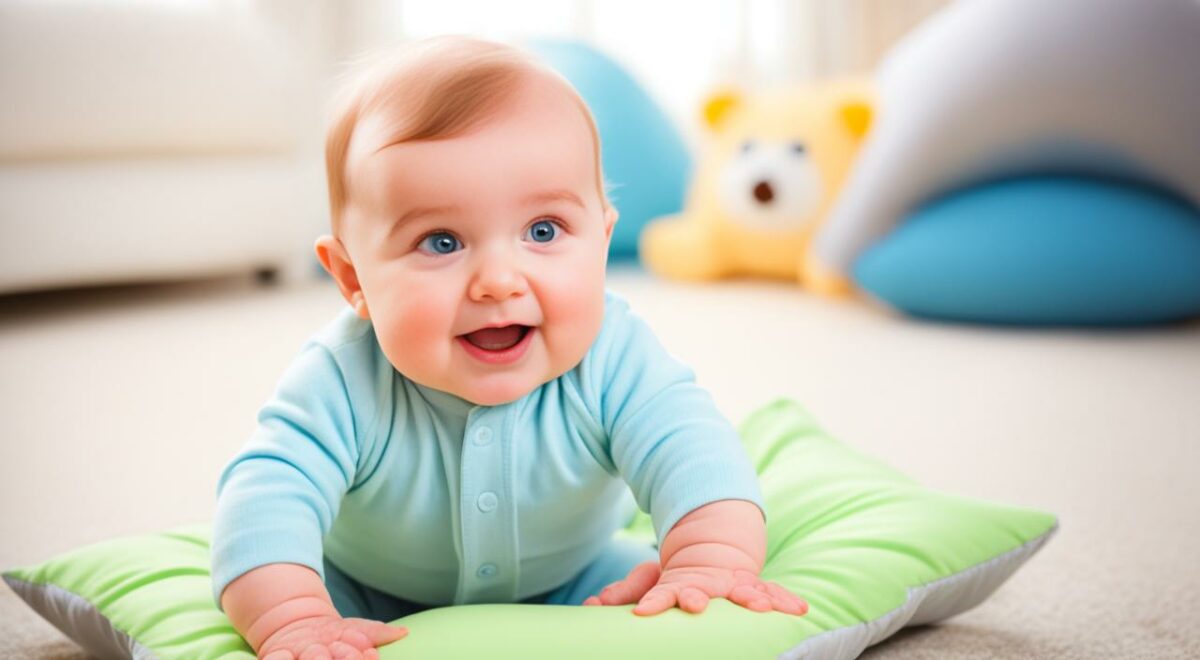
(798, 147)
(747, 146)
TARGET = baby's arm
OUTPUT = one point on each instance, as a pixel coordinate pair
(687, 468)
(716, 551)
(277, 500)
(284, 610)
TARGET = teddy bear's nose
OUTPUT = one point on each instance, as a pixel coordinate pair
(763, 192)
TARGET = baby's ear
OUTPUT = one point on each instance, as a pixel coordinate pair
(336, 261)
(610, 220)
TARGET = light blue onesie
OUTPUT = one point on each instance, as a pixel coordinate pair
(417, 494)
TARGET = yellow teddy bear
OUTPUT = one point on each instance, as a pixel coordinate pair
(772, 167)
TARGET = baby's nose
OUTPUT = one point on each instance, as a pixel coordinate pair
(497, 279)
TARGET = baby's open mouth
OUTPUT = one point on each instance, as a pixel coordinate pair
(497, 339)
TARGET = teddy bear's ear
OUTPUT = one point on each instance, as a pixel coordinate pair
(718, 105)
(856, 115)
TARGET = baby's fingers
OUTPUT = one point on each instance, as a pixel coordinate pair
(356, 638)
(343, 651)
(376, 633)
(657, 600)
(750, 598)
(640, 580)
(692, 600)
(785, 601)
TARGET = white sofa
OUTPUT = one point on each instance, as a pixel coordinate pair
(149, 140)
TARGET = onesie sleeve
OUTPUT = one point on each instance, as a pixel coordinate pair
(277, 499)
(666, 437)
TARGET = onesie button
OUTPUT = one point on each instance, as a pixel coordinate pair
(486, 571)
(483, 436)
(487, 502)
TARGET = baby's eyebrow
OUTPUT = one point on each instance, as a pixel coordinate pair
(420, 211)
(557, 195)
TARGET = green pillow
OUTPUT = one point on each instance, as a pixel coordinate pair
(870, 550)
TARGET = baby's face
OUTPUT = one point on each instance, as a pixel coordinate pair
(481, 257)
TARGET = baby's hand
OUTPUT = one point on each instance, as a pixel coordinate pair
(641, 579)
(329, 637)
(691, 588)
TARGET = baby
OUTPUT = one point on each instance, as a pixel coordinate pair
(470, 430)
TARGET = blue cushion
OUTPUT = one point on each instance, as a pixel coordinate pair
(1051, 250)
(646, 162)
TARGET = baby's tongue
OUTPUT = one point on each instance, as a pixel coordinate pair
(496, 339)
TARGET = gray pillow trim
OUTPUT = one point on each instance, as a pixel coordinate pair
(937, 600)
(78, 619)
(927, 603)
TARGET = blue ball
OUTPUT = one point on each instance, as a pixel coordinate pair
(1050, 250)
(646, 162)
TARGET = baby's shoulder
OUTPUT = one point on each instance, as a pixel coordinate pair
(348, 343)
(346, 329)
(623, 329)
(620, 346)
(616, 318)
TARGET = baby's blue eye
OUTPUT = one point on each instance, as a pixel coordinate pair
(440, 243)
(543, 231)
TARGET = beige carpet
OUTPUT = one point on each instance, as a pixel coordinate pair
(121, 405)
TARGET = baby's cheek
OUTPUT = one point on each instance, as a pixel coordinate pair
(576, 312)
(417, 332)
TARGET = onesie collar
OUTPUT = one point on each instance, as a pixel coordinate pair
(444, 402)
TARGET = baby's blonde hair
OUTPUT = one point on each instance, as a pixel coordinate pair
(432, 89)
